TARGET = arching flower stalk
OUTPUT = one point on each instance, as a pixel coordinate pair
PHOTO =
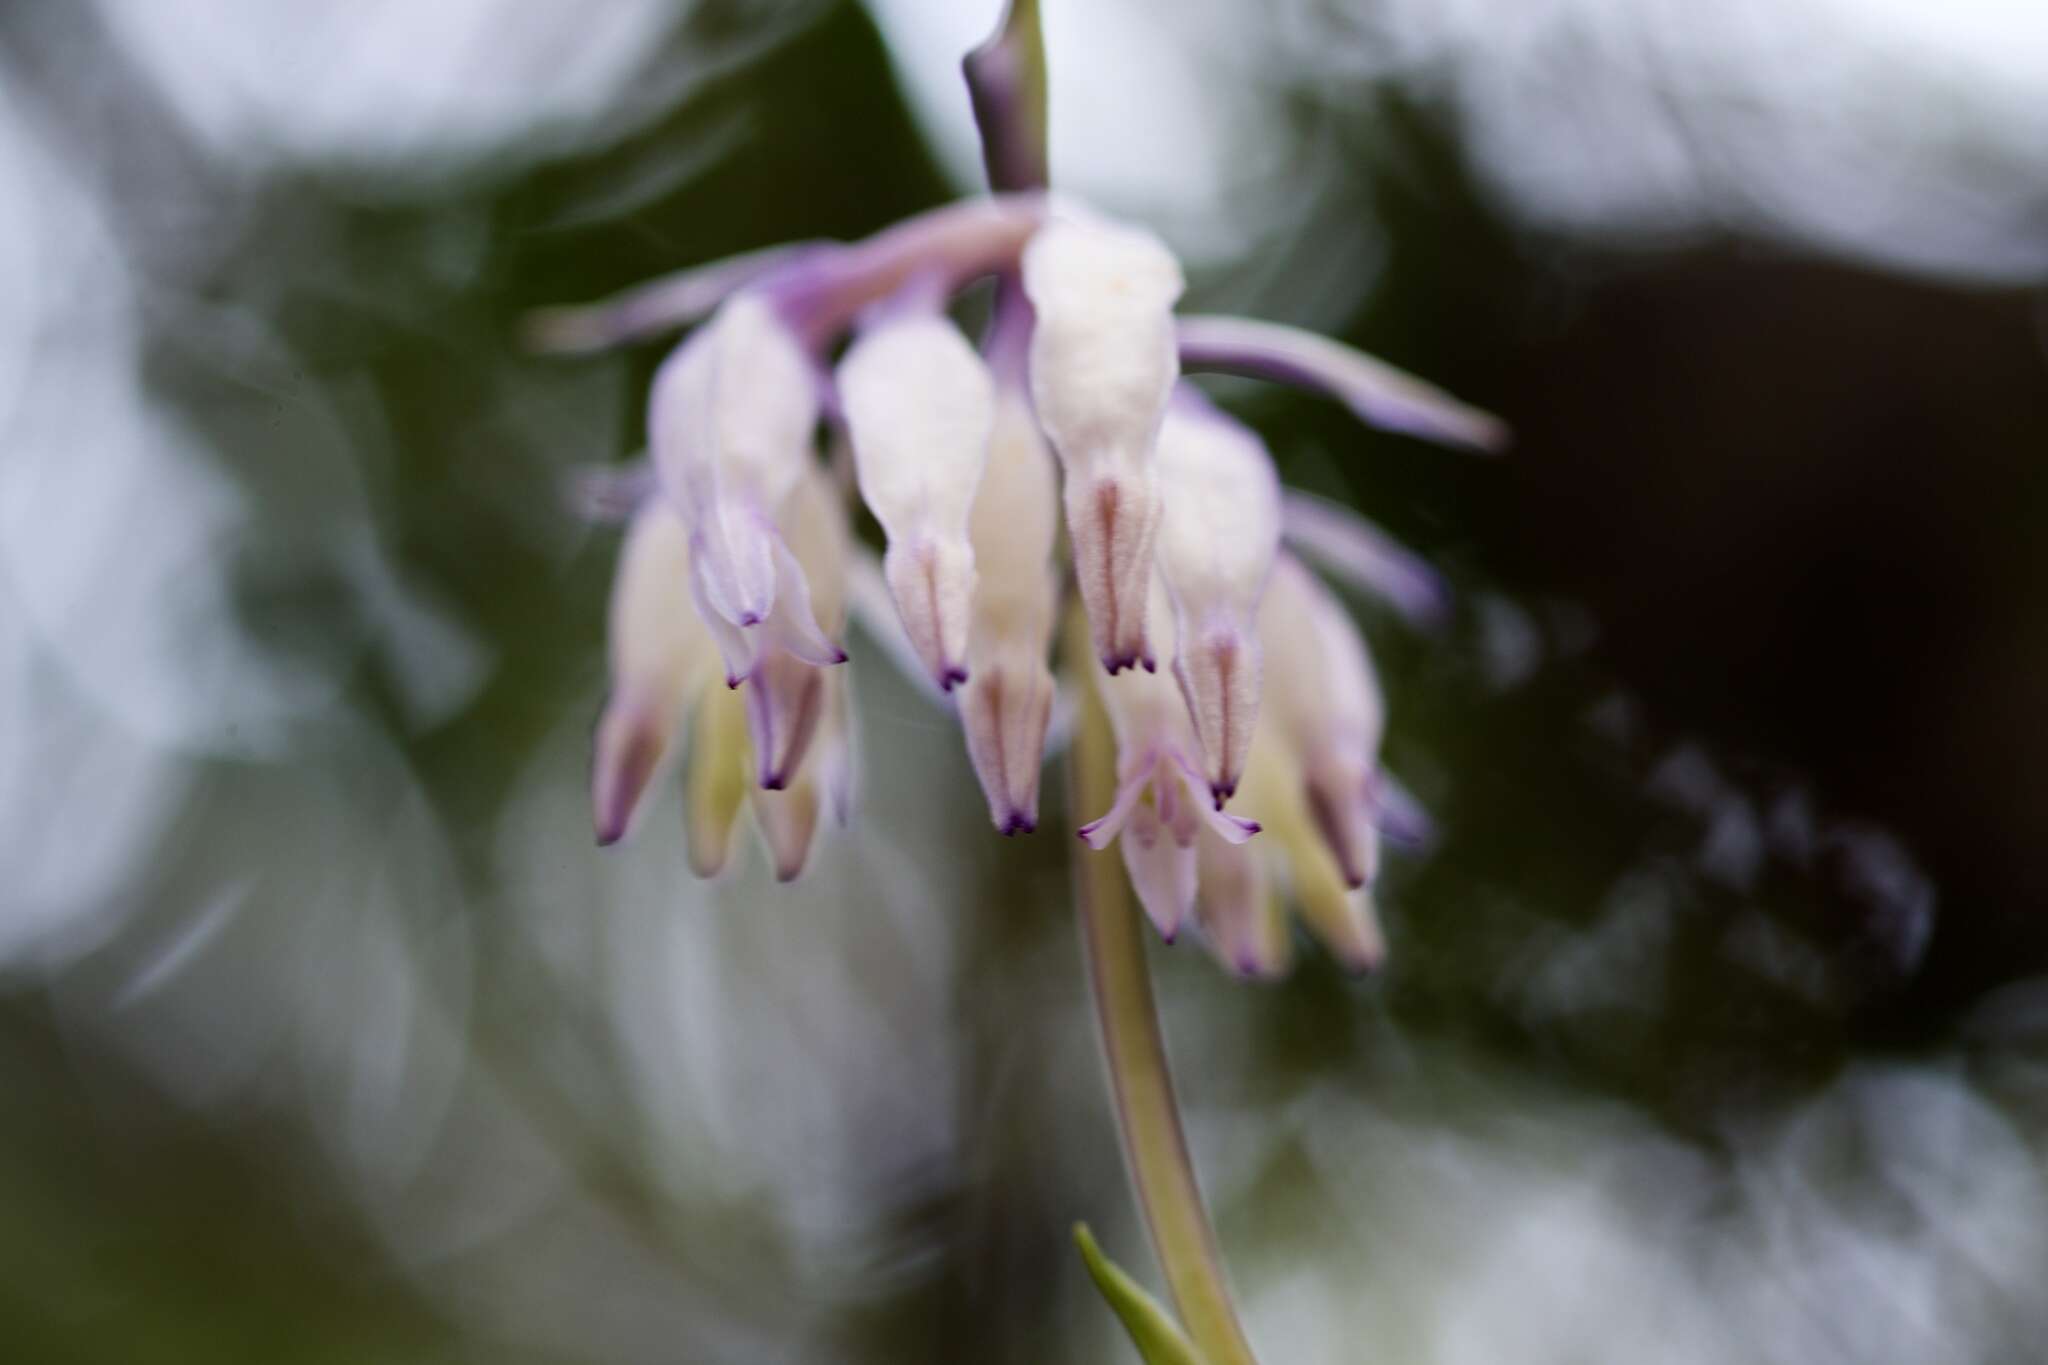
(738, 566)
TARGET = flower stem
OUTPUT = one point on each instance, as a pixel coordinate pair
(1140, 1084)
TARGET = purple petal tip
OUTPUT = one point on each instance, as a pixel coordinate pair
(750, 618)
(1017, 822)
(774, 782)
(952, 677)
(843, 656)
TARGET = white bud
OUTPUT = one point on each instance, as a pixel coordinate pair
(660, 657)
(1327, 710)
(1217, 539)
(1103, 359)
(918, 404)
(1009, 692)
(730, 420)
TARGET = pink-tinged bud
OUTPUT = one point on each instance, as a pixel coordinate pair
(1327, 710)
(785, 683)
(1217, 541)
(729, 426)
(918, 405)
(788, 821)
(1103, 359)
(1241, 916)
(660, 656)
(1008, 698)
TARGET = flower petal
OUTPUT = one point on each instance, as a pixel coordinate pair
(1378, 393)
(1354, 550)
(1162, 871)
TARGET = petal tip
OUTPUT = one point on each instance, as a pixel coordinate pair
(1017, 822)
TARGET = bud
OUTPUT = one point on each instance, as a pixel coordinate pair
(1103, 360)
(1217, 539)
(1241, 915)
(1009, 692)
(660, 656)
(729, 424)
(1162, 803)
(785, 683)
(917, 401)
(1327, 711)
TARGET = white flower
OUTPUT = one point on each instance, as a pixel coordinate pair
(1162, 801)
(1217, 538)
(918, 406)
(660, 660)
(1326, 710)
(730, 422)
(1103, 360)
(1009, 692)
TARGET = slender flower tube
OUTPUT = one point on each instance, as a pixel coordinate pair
(1162, 802)
(919, 405)
(1103, 361)
(730, 420)
(660, 657)
(1217, 538)
(1327, 712)
(1008, 697)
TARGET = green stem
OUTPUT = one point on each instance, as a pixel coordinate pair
(1140, 1083)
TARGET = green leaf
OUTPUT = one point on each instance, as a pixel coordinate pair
(1153, 1331)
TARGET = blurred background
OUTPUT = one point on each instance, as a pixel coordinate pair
(1716, 1025)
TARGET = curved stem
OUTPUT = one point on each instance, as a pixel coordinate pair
(1141, 1085)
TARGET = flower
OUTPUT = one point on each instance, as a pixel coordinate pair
(1103, 361)
(738, 549)
(1162, 804)
(1313, 776)
(1217, 539)
(919, 407)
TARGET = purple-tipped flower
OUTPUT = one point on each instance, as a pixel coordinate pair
(1008, 698)
(660, 657)
(1327, 713)
(1162, 805)
(1217, 538)
(1103, 361)
(919, 408)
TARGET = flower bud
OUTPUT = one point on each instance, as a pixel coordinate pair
(785, 682)
(918, 401)
(1162, 804)
(1327, 711)
(1103, 359)
(730, 419)
(660, 657)
(1241, 915)
(1217, 539)
(1009, 692)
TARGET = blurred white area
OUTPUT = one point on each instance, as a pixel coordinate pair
(1449, 1214)
(400, 87)
(1910, 134)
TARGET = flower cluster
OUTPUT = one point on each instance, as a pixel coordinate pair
(1066, 448)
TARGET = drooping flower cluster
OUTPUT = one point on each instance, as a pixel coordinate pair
(1072, 415)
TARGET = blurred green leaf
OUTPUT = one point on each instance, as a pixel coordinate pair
(1153, 1331)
